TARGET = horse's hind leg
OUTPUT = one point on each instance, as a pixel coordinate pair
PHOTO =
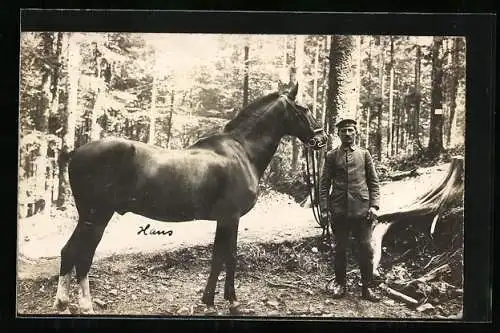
(68, 257)
(91, 235)
(79, 252)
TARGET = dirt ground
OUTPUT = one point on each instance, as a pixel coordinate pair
(283, 268)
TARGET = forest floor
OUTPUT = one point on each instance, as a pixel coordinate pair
(282, 267)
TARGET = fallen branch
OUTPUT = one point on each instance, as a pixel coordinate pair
(434, 259)
(431, 275)
(403, 174)
(287, 285)
(398, 295)
(282, 285)
(100, 303)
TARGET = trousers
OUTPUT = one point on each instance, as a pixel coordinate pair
(361, 229)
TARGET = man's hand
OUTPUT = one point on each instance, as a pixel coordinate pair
(372, 212)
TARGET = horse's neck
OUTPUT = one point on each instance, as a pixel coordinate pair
(260, 143)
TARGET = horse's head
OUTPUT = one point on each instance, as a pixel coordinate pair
(301, 123)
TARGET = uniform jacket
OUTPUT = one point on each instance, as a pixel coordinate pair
(354, 182)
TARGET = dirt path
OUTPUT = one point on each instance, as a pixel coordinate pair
(271, 281)
(274, 220)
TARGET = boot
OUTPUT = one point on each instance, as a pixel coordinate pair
(369, 294)
(339, 291)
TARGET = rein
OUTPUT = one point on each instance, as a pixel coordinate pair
(311, 164)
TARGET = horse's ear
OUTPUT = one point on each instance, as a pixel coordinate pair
(293, 93)
(280, 85)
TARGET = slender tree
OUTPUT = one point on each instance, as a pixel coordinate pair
(299, 77)
(390, 126)
(316, 110)
(369, 91)
(416, 116)
(435, 146)
(381, 74)
(153, 111)
(246, 73)
(453, 88)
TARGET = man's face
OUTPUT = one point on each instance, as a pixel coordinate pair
(347, 134)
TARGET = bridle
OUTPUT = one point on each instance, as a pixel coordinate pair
(312, 171)
(313, 141)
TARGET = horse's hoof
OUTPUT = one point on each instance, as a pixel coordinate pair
(66, 312)
(210, 311)
(85, 307)
(60, 305)
(234, 308)
(87, 311)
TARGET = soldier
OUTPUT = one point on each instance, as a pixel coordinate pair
(352, 205)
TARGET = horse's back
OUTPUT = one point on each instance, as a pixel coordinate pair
(207, 179)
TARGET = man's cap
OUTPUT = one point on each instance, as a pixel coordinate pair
(346, 122)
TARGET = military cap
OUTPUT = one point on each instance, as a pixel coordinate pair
(346, 121)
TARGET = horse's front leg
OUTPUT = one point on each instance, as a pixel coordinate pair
(229, 291)
(220, 245)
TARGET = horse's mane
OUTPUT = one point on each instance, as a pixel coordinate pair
(248, 112)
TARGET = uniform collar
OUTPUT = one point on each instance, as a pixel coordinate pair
(352, 147)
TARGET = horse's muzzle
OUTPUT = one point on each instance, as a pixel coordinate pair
(318, 141)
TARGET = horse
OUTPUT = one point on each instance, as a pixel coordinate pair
(216, 178)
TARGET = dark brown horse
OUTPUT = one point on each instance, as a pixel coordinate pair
(214, 179)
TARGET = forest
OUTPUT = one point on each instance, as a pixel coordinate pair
(406, 92)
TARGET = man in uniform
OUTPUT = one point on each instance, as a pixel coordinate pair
(352, 205)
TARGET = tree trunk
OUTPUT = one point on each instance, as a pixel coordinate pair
(340, 54)
(99, 90)
(390, 130)
(324, 87)
(435, 146)
(357, 80)
(57, 74)
(299, 77)
(381, 74)
(245, 77)
(153, 115)
(52, 184)
(325, 83)
(43, 166)
(284, 69)
(44, 108)
(397, 125)
(416, 126)
(316, 111)
(169, 131)
(407, 111)
(95, 128)
(63, 192)
(369, 94)
(453, 88)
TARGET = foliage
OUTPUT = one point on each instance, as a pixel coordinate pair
(118, 74)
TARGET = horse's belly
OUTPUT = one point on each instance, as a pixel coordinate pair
(165, 215)
(170, 207)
